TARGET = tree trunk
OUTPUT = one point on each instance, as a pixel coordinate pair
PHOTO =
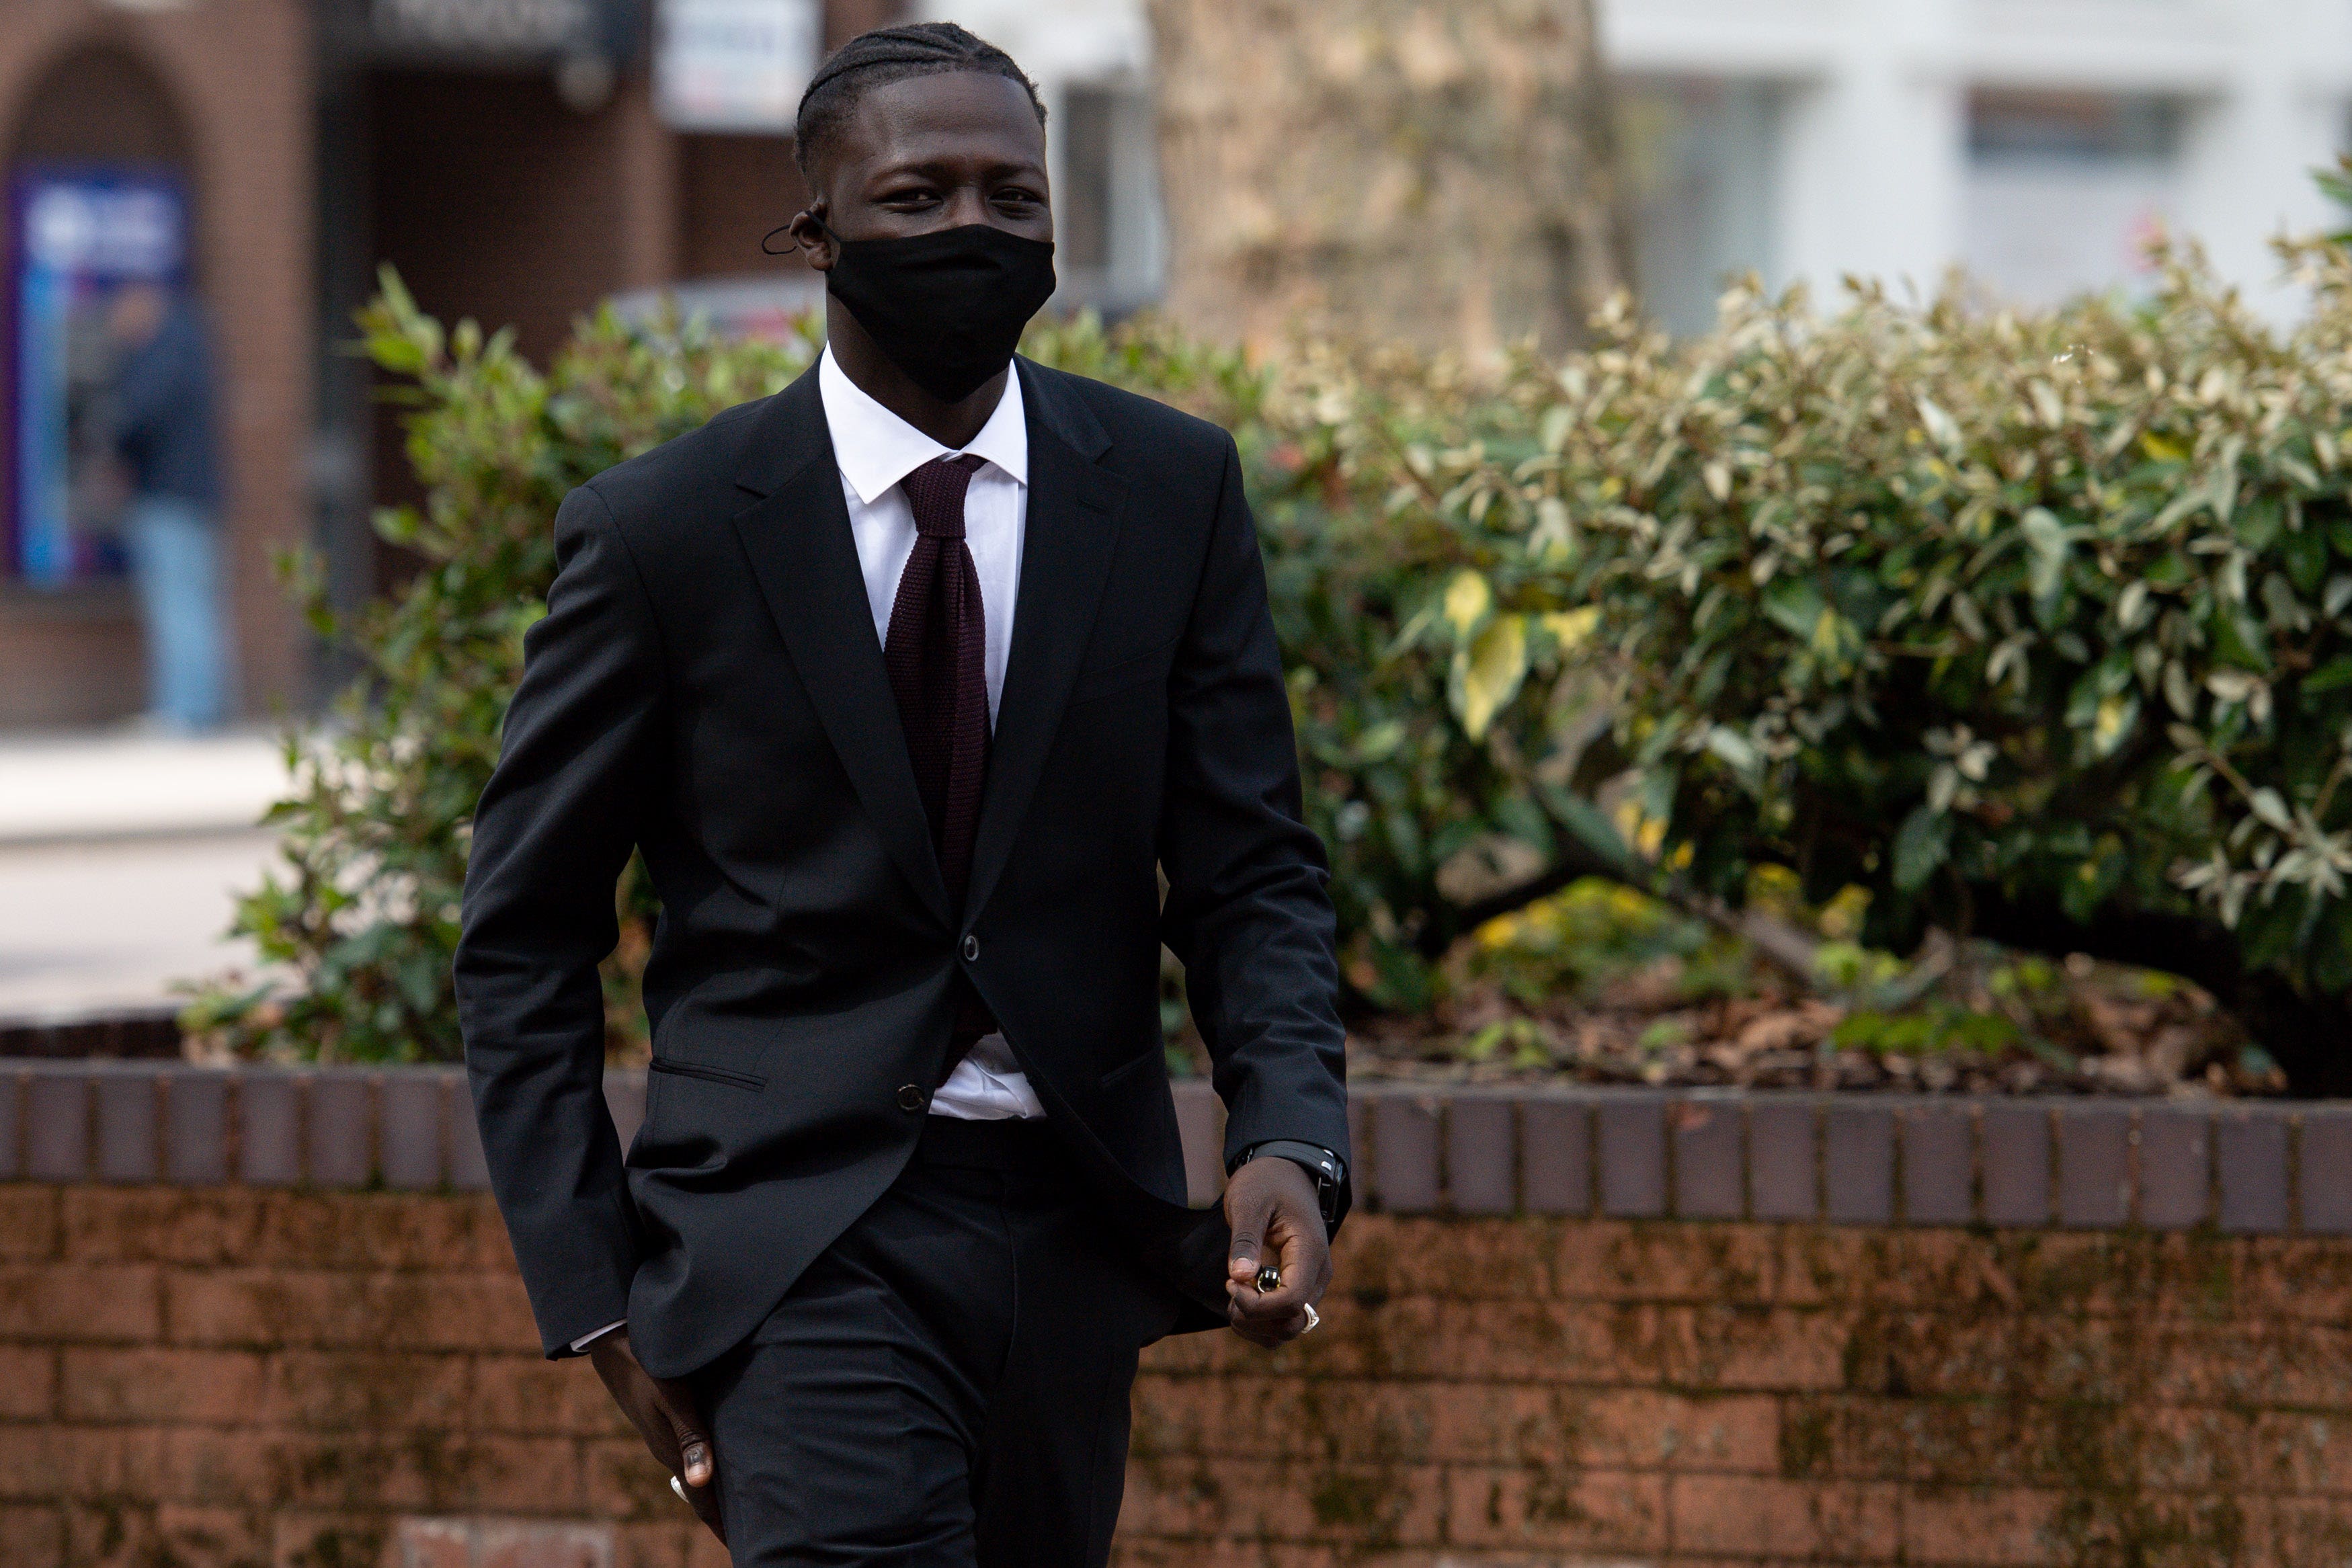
(1422, 171)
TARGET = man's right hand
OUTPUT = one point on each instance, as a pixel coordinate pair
(664, 1413)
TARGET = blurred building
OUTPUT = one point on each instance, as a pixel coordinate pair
(2037, 142)
(521, 160)
(518, 159)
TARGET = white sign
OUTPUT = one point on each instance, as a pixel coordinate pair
(735, 65)
(521, 27)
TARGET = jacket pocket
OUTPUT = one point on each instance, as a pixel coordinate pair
(1133, 1065)
(715, 1074)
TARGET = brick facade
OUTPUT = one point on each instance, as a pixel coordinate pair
(237, 75)
(258, 1318)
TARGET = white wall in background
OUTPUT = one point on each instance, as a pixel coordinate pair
(1818, 138)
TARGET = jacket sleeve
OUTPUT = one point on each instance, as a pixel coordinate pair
(1248, 911)
(554, 830)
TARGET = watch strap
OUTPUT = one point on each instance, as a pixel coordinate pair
(1329, 1171)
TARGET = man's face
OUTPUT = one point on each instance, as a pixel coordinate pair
(934, 152)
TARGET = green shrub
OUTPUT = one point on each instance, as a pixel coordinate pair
(2033, 626)
(362, 916)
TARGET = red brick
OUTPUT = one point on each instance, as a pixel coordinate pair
(375, 1391)
(1464, 1260)
(653, 1545)
(1139, 1552)
(31, 1536)
(73, 1304)
(218, 1467)
(159, 1225)
(1751, 1347)
(434, 1543)
(49, 1462)
(703, 1551)
(2289, 1531)
(269, 1307)
(111, 1534)
(538, 1543)
(29, 1382)
(28, 1221)
(1615, 1512)
(495, 1474)
(307, 1539)
(1687, 1262)
(2307, 1453)
(1297, 1500)
(177, 1386)
(619, 1479)
(532, 1394)
(1403, 1168)
(1987, 1527)
(1749, 1517)
(382, 1231)
(210, 1535)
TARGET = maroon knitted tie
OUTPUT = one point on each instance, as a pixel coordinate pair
(937, 653)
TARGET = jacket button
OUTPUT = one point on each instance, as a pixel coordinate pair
(971, 949)
(911, 1097)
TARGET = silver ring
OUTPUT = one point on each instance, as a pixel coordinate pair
(1314, 1318)
(679, 1486)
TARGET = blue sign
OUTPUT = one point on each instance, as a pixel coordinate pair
(77, 233)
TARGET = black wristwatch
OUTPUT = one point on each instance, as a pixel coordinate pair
(1329, 1171)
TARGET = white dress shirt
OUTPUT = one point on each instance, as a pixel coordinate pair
(875, 449)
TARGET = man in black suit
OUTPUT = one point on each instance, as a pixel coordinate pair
(909, 682)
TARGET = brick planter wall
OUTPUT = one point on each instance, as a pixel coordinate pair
(268, 1317)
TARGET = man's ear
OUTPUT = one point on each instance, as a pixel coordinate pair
(808, 232)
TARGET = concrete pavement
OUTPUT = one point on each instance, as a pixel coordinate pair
(120, 857)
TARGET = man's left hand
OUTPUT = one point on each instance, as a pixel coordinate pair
(1271, 1208)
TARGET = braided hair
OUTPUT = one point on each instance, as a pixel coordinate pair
(886, 55)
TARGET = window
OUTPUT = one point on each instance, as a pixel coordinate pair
(1698, 158)
(1107, 218)
(2065, 190)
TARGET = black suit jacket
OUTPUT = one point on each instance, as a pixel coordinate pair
(706, 686)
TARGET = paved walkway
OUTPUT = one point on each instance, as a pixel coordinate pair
(75, 788)
(120, 856)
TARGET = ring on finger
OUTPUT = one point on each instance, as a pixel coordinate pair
(1314, 1318)
(679, 1486)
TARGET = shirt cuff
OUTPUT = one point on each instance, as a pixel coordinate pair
(584, 1341)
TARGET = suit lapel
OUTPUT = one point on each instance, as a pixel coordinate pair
(1066, 553)
(805, 561)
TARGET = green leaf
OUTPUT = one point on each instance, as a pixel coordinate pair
(1487, 674)
(1921, 845)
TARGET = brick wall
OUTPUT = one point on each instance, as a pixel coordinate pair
(237, 73)
(268, 1317)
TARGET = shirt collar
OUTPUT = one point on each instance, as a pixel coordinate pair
(876, 449)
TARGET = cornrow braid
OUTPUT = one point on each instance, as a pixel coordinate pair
(886, 55)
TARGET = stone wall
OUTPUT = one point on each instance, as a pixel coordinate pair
(268, 1317)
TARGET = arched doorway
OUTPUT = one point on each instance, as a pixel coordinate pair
(98, 182)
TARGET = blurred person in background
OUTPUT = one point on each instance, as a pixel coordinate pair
(160, 410)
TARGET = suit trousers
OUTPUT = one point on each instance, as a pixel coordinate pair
(947, 1386)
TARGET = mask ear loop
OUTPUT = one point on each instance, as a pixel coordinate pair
(825, 228)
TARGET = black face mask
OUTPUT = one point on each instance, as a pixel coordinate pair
(947, 307)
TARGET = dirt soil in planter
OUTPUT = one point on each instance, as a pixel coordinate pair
(1960, 1019)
